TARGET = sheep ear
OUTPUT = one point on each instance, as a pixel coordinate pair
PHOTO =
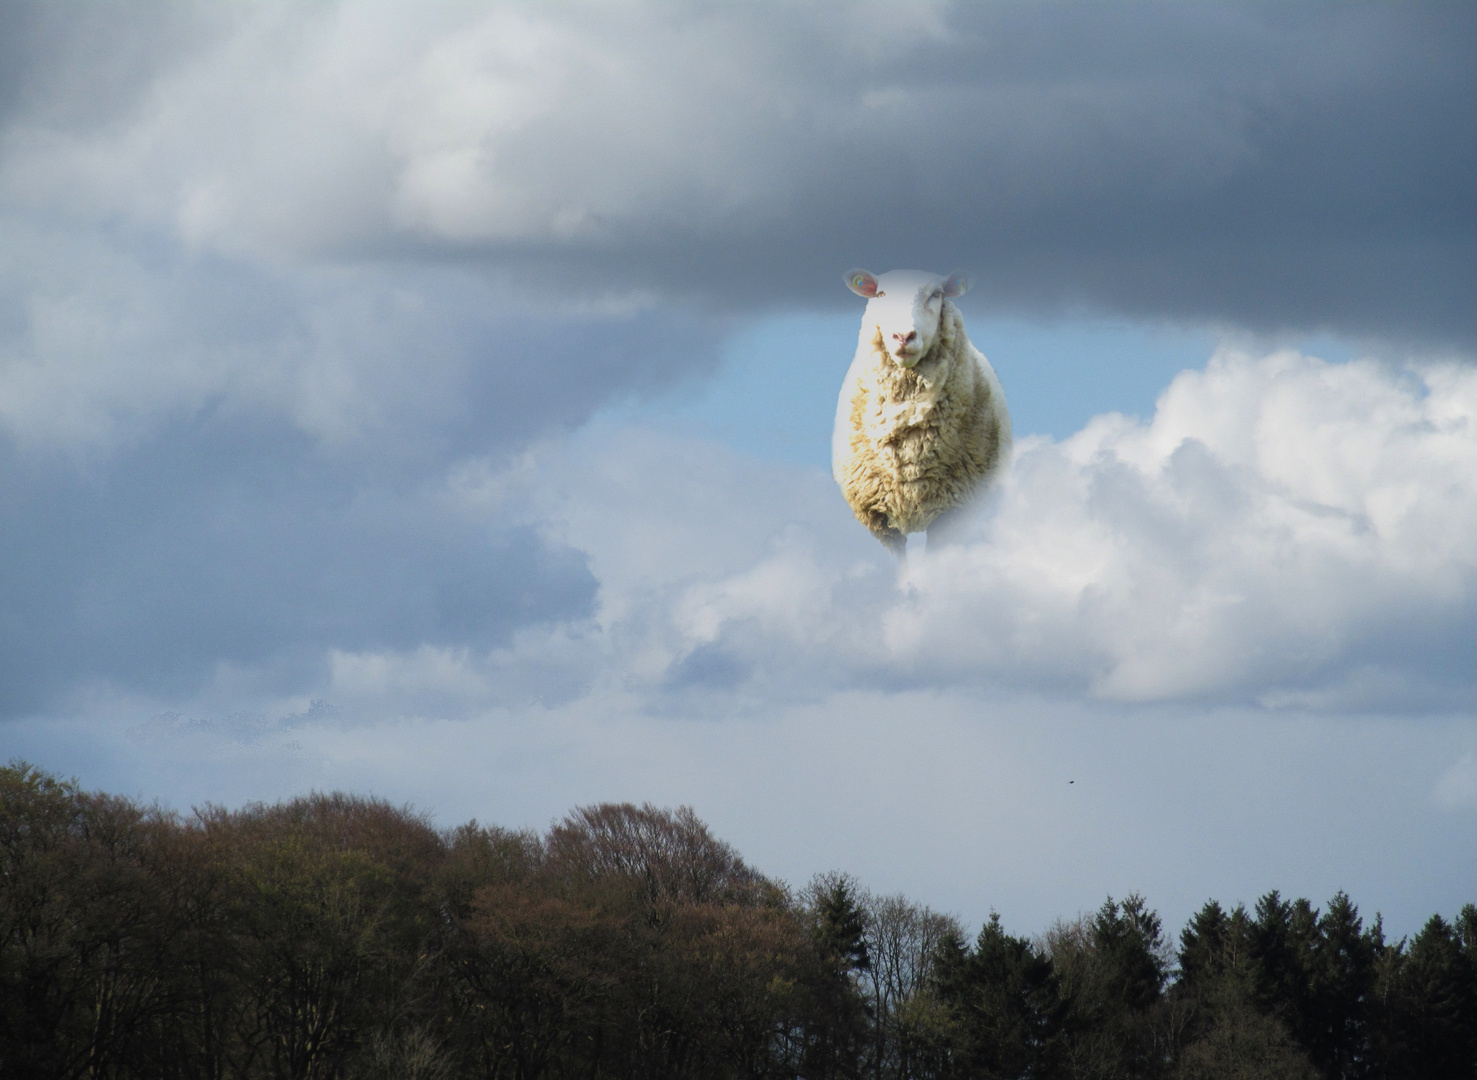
(862, 283)
(956, 285)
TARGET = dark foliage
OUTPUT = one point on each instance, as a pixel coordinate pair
(1009, 1006)
(340, 937)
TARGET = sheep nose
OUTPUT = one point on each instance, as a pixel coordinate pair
(903, 339)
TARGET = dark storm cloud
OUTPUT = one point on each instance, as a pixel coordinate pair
(1271, 167)
(1264, 165)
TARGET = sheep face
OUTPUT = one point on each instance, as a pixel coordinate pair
(903, 309)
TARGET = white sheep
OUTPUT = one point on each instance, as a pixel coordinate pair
(921, 426)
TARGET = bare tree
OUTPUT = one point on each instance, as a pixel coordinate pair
(902, 942)
(670, 853)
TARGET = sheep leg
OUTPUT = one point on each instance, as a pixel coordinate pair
(894, 540)
(947, 528)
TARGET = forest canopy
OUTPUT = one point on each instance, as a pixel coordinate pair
(340, 936)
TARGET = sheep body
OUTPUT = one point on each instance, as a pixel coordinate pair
(921, 423)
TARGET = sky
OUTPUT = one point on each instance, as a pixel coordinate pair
(433, 401)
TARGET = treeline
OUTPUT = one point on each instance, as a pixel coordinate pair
(334, 936)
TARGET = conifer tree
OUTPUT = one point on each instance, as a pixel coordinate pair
(838, 1023)
(1435, 1004)
(1340, 987)
(1007, 1005)
(840, 926)
(1202, 955)
(1280, 943)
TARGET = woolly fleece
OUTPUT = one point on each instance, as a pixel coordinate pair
(912, 444)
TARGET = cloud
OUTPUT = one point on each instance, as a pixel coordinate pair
(1270, 166)
(1283, 532)
(214, 472)
(235, 552)
(103, 337)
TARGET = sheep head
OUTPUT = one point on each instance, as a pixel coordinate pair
(904, 307)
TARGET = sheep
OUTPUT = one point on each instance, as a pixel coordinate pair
(921, 424)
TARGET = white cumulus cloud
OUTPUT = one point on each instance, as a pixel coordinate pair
(1283, 531)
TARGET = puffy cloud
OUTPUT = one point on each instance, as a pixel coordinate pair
(1282, 531)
